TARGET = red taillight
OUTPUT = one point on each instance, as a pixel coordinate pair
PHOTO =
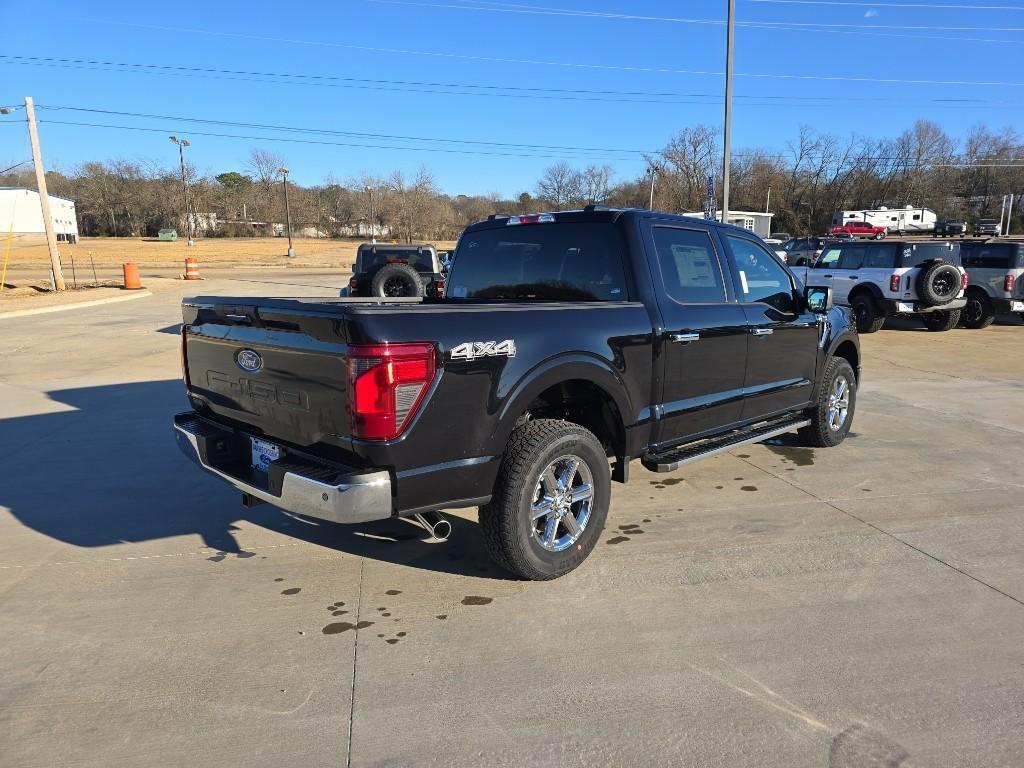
(1008, 283)
(353, 283)
(894, 283)
(397, 261)
(386, 384)
(439, 288)
(184, 356)
(964, 280)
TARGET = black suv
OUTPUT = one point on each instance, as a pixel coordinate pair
(395, 271)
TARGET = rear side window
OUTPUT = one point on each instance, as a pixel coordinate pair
(689, 266)
(851, 257)
(570, 261)
(879, 256)
(989, 256)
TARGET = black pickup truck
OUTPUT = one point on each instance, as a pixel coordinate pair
(566, 346)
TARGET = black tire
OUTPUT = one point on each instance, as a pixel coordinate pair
(879, 235)
(395, 281)
(979, 312)
(509, 530)
(822, 432)
(869, 319)
(942, 320)
(938, 284)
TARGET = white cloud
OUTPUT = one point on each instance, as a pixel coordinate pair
(870, 14)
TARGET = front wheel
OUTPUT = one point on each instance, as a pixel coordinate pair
(978, 312)
(943, 320)
(832, 414)
(550, 501)
(869, 319)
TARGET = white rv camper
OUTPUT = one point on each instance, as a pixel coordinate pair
(907, 220)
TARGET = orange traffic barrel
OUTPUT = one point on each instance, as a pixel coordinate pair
(131, 276)
(192, 269)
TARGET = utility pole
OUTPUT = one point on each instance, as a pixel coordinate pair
(768, 200)
(44, 196)
(728, 110)
(287, 210)
(373, 233)
(189, 220)
(1002, 212)
(1009, 214)
(654, 173)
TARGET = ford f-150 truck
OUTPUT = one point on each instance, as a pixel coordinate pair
(566, 346)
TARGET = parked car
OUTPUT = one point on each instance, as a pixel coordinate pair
(996, 286)
(879, 280)
(950, 228)
(801, 251)
(859, 229)
(395, 271)
(986, 228)
(565, 341)
(781, 236)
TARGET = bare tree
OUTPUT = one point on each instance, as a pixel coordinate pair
(560, 186)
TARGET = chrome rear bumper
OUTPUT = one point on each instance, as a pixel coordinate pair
(331, 495)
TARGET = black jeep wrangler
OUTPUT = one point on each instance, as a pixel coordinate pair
(395, 271)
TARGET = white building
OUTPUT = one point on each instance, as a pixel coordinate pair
(21, 208)
(759, 223)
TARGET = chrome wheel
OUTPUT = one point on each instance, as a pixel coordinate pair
(562, 503)
(838, 403)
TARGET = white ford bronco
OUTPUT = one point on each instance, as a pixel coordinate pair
(894, 277)
(996, 286)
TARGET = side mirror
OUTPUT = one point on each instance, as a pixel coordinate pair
(818, 299)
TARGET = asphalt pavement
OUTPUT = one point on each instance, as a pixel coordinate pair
(774, 606)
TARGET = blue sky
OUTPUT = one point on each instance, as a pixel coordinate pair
(679, 50)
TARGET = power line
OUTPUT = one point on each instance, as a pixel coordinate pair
(934, 6)
(324, 143)
(487, 90)
(566, 64)
(545, 11)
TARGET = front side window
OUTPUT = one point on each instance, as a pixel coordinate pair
(829, 258)
(762, 278)
(689, 266)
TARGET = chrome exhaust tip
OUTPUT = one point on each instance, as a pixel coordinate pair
(435, 523)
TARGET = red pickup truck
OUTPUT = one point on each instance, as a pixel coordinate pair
(859, 229)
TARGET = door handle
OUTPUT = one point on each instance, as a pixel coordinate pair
(853, 277)
(762, 331)
(684, 338)
(826, 275)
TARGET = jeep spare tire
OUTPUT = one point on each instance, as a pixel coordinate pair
(396, 281)
(938, 284)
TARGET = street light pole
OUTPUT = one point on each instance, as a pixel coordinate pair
(287, 210)
(728, 111)
(654, 172)
(189, 222)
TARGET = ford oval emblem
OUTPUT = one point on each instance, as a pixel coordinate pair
(249, 360)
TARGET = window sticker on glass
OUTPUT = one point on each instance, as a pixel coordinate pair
(460, 291)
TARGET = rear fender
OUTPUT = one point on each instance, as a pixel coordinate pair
(555, 371)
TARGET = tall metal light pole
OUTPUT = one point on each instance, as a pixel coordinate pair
(287, 210)
(654, 172)
(189, 221)
(728, 110)
(373, 229)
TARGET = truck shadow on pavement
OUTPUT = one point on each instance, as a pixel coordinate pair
(107, 471)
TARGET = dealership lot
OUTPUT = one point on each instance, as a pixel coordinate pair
(773, 606)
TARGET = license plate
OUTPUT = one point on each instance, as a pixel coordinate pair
(1017, 306)
(902, 306)
(263, 453)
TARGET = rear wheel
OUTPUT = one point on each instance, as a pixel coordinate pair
(943, 320)
(869, 319)
(978, 312)
(879, 235)
(550, 501)
(832, 415)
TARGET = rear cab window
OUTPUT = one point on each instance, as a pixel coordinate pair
(558, 261)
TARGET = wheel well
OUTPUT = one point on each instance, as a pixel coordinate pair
(861, 290)
(584, 403)
(848, 351)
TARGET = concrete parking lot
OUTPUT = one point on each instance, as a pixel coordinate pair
(775, 606)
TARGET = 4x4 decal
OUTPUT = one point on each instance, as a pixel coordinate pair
(471, 350)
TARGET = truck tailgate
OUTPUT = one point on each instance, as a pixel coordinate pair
(279, 367)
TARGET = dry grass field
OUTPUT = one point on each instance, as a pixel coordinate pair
(220, 251)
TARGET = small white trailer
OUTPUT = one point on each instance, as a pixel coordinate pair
(907, 220)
